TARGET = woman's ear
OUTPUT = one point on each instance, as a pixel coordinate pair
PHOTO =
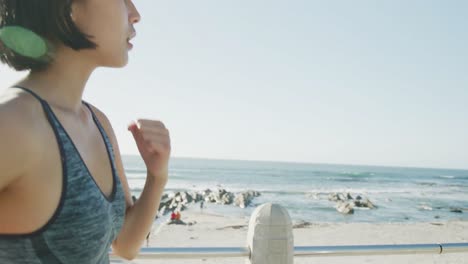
(75, 9)
(72, 11)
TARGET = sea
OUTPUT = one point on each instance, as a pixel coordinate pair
(400, 194)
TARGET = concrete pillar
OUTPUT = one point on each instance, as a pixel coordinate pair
(270, 236)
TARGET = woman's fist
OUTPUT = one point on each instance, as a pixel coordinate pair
(153, 142)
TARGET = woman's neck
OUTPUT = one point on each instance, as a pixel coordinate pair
(63, 82)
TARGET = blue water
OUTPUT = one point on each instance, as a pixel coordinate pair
(400, 193)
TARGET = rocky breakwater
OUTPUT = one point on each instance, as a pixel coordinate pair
(345, 202)
(179, 201)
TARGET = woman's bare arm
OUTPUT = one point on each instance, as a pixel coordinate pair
(18, 146)
(139, 215)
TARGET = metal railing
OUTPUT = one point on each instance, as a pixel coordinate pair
(304, 251)
(366, 250)
(191, 253)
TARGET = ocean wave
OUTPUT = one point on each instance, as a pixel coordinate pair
(282, 192)
(310, 193)
(362, 191)
(447, 177)
(133, 178)
(349, 179)
(138, 171)
(424, 207)
(427, 183)
(358, 174)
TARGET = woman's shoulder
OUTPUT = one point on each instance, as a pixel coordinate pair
(19, 111)
(19, 134)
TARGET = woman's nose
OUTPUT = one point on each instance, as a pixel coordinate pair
(134, 15)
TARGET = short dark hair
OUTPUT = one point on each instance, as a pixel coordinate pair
(50, 19)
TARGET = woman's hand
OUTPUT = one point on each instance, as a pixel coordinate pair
(153, 142)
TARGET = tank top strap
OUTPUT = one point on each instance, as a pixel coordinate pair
(105, 136)
(50, 114)
(96, 120)
(32, 93)
(59, 131)
(100, 127)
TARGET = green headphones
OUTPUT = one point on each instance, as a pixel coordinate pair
(23, 41)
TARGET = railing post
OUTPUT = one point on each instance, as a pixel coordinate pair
(270, 236)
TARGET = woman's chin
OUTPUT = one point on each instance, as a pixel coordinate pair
(120, 63)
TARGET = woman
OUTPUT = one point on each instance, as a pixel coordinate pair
(64, 197)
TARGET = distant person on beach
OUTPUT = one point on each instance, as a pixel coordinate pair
(202, 205)
(64, 195)
(175, 219)
(175, 216)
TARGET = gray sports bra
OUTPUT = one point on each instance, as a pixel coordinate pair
(85, 222)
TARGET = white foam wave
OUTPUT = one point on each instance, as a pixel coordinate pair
(447, 176)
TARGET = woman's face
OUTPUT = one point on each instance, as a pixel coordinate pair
(110, 22)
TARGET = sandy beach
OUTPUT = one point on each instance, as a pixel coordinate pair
(211, 230)
(391, 206)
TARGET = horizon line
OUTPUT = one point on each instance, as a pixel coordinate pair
(314, 163)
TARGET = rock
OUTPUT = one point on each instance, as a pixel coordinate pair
(346, 202)
(345, 207)
(166, 201)
(302, 224)
(164, 205)
(186, 197)
(174, 201)
(334, 197)
(197, 197)
(364, 203)
(227, 198)
(173, 204)
(241, 200)
(253, 193)
(314, 196)
(162, 211)
(206, 192)
(244, 199)
(220, 197)
(180, 200)
(212, 197)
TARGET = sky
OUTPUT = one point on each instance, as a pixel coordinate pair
(347, 82)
